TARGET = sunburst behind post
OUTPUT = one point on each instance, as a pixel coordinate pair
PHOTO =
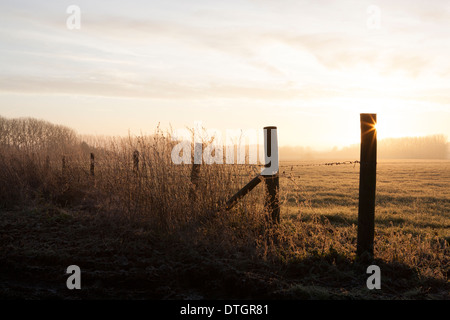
(367, 185)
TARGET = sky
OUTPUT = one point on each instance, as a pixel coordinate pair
(308, 67)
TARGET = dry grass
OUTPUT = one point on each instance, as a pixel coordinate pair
(311, 254)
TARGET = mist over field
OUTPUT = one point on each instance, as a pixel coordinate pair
(428, 147)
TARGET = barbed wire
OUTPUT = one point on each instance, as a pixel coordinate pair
(320, 164)
(281, 166)
(253, 169)
(299, 165)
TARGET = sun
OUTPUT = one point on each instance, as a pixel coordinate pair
(395, 118)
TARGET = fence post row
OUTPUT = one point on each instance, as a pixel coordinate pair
(367, 185)
(270, 175)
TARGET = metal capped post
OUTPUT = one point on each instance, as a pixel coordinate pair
(367, 185)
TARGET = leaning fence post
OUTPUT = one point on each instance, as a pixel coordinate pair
(270, 173)
(367, 184)
(243, 192)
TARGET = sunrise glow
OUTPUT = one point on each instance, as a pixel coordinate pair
(308, 68)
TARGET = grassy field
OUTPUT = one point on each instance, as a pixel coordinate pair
(411, 195)
(152, 237)
(412, 220)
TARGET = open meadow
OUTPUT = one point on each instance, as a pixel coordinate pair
(151, 234)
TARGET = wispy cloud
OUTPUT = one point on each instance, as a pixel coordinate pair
(156, 89)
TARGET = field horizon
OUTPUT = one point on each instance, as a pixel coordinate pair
(434, 146)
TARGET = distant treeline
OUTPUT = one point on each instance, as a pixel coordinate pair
(33, 135)
(428, 147)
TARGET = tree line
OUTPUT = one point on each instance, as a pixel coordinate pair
(35, 136)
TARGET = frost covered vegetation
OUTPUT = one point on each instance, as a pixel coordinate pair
(149, 232)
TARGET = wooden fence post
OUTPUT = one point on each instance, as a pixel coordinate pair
(92, 164)
(271, 174)
(63, 164)
(367, 185)
(136, 161)
(195, 172)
